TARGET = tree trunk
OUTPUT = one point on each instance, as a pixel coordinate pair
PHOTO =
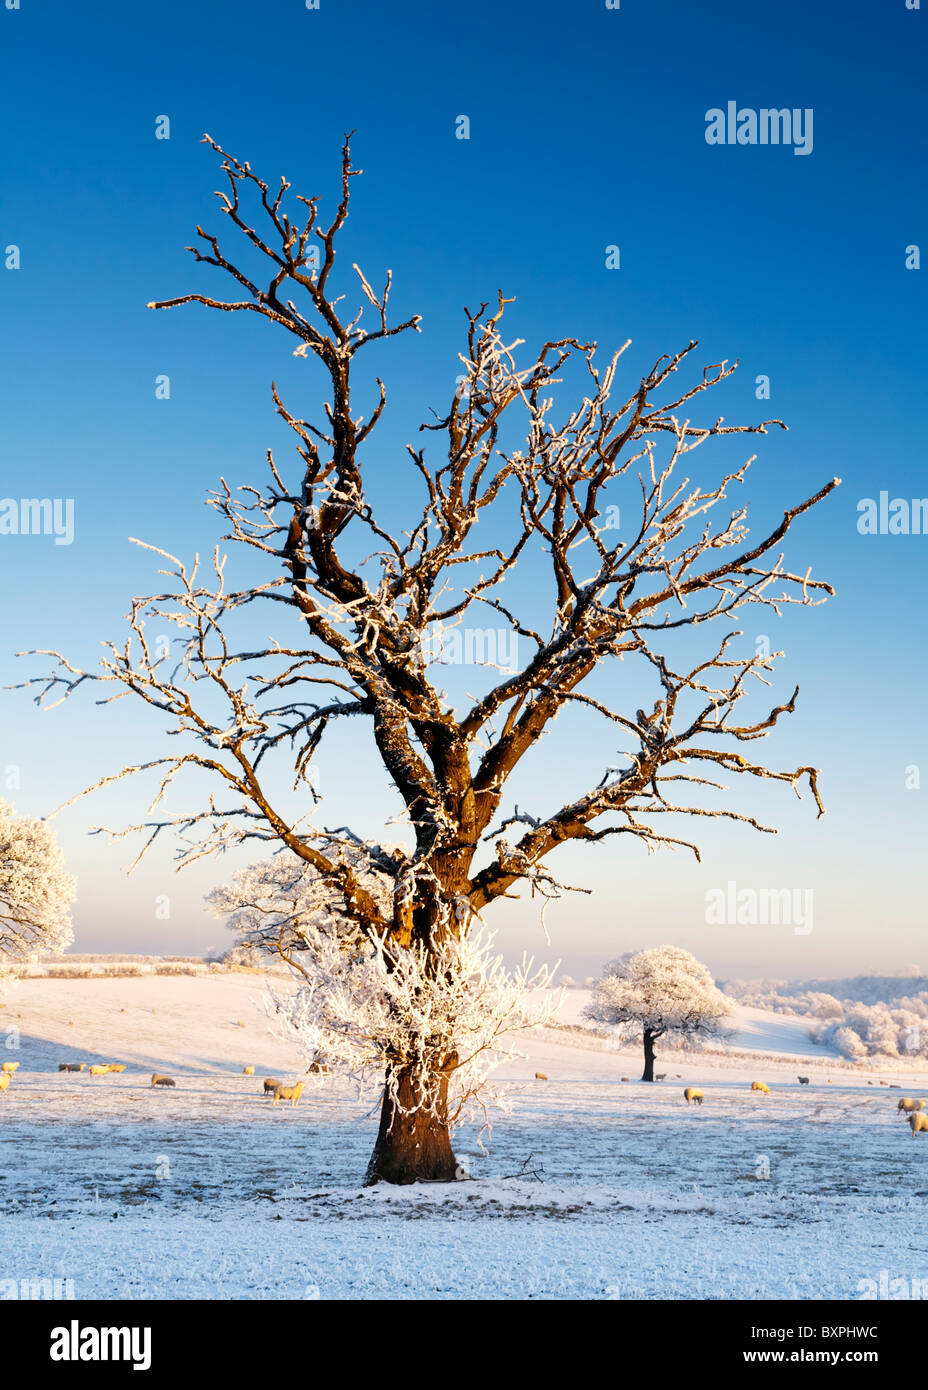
(648, 1074)
(413, 1147)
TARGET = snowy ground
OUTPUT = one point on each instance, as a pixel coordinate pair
(210, 1191)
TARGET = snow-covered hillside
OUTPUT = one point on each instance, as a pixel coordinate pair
(593, 1187)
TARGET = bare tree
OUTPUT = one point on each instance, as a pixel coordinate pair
(536, 477)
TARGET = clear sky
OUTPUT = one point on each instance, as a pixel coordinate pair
(587, 129)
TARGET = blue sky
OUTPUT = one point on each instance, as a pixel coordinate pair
(587, 130)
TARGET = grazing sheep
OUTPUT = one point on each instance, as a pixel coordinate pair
(661, 1076)
(803, 1081)
(98, 1071)
(882, 1083)
(626, 1078)
(290, 1093)
(540, 1076)
(271, 1084)
(248, 1071)
(909, 1105)
(162, 1080)
(71, 1066)
(10, 1066)
(691, 1093)
(115, 1066)
(918, 1123)
(4, 1080)
(760, 1086)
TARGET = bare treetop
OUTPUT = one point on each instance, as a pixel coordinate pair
(352, 643)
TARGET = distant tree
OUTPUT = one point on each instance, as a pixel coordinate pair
(822, 1005)
(848, 1043)
(35, 891)
(274, 905)
(665, 992)
(567, 982)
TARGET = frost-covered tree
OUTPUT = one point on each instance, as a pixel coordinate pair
(35, 891)
(274, 905)
(665, 992)
(540, 453)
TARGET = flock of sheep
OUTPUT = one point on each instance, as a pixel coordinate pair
(912, 1109)
(272, 1086)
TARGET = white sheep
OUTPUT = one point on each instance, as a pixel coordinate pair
(760, 1086)
(918, 1123)
(691, 1093)
(248, 1071)
(540, 1076)
(290, 1093)
(4, 1080)
(10, 1066)
(271, 1084)
(98, 1071)
(908, 1105)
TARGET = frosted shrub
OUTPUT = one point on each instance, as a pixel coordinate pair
(378, 1008)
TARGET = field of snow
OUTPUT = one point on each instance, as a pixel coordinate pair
(593, 1187)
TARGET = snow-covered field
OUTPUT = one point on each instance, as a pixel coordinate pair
(593, 1188)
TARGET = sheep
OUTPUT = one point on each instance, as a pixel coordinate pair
(10, 1066)
(5, 1079)
(248, 1071)
(98, 1070)
(271, 1084)
(691, 1093)
(661, 1076)
(290, 1093)
(918, 1123)
(909, 1105)
(803, 1081)
(71, 1066)
(115, 1066)
(626, 1078)
(540, 1076)
(162, 1080)
(882, 1083)
(760, 1086)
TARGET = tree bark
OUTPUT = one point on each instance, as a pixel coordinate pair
(413, 1145)
(648, 1074)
